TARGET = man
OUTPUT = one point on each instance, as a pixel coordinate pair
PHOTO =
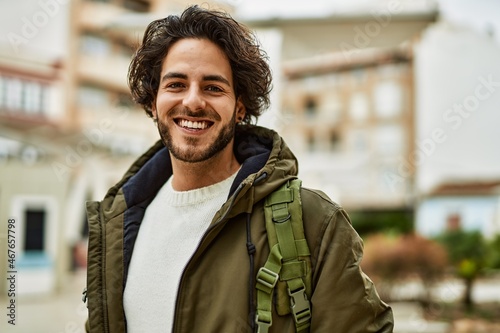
(169, 245)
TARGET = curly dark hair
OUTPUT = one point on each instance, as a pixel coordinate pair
(251, 72)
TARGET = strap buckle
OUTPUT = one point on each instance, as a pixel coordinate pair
(262, 326)
(267, 278)
(300, 306)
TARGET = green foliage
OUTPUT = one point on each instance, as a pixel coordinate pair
(467, 251)
(468, 269)
(493, 260)
(375, 221)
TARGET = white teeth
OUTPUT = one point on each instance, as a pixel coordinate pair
(193, 124)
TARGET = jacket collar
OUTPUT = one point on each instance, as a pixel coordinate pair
(261, 152)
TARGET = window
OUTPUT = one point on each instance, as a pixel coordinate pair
(358, 76)
(22, 95)
(311, 142)
(334, 140)
(358, 106)
(38, 244)
(14, 94)
(357, 140)
(124, 101)
(333, 80)
(391, 70)
(332, 107)
(93, 97)
(310, 108)
(34, 230)
(389, 139)
(33, 97)
(95, 45)
(388, 99)
(136, 5)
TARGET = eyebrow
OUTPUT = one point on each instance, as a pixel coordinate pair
(173, 75)
(217, 78)
(211, 77)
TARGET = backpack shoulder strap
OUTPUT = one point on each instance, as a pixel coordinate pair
(288, 267)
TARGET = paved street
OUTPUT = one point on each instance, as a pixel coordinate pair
(408, 318)
(65, 312)
(61, 313)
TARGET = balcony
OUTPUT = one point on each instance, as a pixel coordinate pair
(98, 15)
(107, 71)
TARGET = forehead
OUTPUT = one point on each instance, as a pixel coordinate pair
(193, 56)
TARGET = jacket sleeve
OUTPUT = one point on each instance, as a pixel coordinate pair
(344, 299)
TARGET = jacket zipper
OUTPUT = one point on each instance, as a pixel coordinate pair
(209, 230)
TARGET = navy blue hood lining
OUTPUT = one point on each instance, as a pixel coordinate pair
(149, 179)
(252, 150)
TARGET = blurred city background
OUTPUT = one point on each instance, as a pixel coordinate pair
(391, 106)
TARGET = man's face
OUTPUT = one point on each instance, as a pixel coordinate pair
(196, 107)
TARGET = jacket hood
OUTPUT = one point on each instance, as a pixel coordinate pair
(266, 163)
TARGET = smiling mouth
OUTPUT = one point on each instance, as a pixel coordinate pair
(193, 125)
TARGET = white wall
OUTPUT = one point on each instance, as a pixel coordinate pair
(457, 85)
(271, 42)
(476, 213)
(34, 28)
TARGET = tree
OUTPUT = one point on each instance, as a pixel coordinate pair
(493, 260)
(467, 251)
(392, 258)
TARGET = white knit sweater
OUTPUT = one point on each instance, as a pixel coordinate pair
(173, 225)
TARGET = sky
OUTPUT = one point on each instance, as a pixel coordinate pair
(482, 15)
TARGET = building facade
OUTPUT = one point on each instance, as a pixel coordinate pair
(68, 126)
(347, 104)
(350, 122)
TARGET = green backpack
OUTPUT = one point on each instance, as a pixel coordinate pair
(288, 267)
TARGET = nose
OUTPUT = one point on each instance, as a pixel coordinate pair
(194, 99)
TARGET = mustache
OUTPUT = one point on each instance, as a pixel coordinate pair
(186, 112)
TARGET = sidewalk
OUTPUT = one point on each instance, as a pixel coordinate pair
(408, 318)
(66, 313)
(63, 312)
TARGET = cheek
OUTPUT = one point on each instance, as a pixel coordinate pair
(163, 104)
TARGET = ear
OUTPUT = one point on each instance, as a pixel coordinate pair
(241, 111)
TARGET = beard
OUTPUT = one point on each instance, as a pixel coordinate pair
(194, 152)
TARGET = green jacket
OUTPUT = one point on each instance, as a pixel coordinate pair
(215, 288)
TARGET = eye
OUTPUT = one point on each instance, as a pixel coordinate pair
(174, 85)
(214, 89)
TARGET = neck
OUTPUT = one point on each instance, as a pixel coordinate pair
(190, 176)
